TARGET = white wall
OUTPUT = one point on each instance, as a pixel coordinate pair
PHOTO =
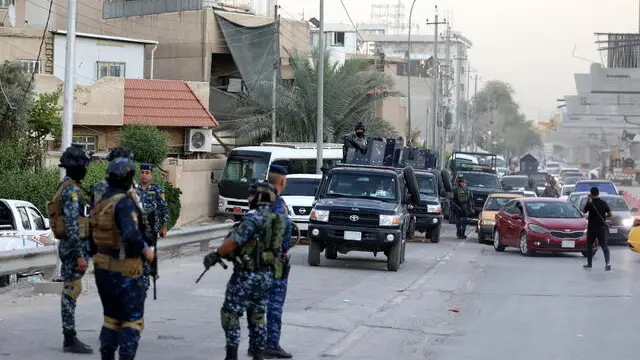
(337, 53)
(89, 51)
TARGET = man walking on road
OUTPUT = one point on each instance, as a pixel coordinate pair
(598, 209)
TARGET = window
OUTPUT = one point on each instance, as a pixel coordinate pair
(37, 218)
(461, 87)
(115, 69)
(30, 66)
(26, 224)
(4, 4)
(338, 39)
(89, 143)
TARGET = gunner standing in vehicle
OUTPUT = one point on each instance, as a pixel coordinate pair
(551, 190)
(462, 204)
(598, 210)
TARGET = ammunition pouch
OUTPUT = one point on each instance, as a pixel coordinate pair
(105, 231)
(268, 258)
(131, 267)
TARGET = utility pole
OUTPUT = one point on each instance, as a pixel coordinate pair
(409, 74)
(276, 65)
(459, 118)
(446, 92)
(474, 119)
(436, 80)
(69, 77)
(320, 125)
(467, 107)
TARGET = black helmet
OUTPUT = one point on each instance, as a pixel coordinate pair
(121, 167)
(74, 156)
(265, 193)
(119, 152)
(360, 126)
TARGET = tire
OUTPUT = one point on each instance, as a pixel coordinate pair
(412, 184)
(446, 179)
(7, 280)
(331, 253)
(435, 235)
(237, 218)
(313, 258)
(395, 254)
(497, 245)
(404, 250)
(524, 248)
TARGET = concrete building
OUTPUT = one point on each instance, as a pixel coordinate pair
(342, 40)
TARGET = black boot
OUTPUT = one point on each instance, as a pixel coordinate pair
(258, 355)
(73, 345)
(250, 351)
(107, 355)
(126, 357)
(232, 353)
(277, 353)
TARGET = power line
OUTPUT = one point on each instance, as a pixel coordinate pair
(352, 23)
(38, 63)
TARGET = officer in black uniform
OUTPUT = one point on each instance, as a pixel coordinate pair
(462, 206)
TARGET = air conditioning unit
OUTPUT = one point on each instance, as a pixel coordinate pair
(197, 140)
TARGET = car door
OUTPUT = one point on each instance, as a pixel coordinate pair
(38, 224)
(503, 217)
(517, 225)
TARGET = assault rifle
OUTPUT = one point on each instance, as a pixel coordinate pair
(217, 260)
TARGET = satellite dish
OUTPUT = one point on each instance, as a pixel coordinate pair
(12, 15)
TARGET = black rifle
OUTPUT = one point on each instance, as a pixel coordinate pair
(218, 260)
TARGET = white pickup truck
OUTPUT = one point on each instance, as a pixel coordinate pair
(22, 226)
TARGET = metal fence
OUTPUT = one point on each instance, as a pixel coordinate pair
(124, 8)
(27, 260)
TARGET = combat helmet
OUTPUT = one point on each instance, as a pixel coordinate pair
(74, 156)
(121, 167)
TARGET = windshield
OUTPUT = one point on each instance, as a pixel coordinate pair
(552, 209)
(374, 186)
(539, 178)
(501, 163)
(566, 190)
(572, 180)
(426, 184)
(301, 187)
(515, 182)
(246, 169)
(496, 203)
(481, 180)
(616, 203)
(604, 187)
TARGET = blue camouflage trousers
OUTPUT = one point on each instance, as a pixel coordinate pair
(71, 291)
(246, 291)
(123, 309)
(274, 312)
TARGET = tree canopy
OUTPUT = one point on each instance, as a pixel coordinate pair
(148, 143)
(347, 101)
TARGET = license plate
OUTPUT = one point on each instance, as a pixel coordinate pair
(568, 244)
(353, 235)
(613, 231)
(237, 209)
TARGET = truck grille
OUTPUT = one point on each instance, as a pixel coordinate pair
(301, 210)
(567, 235)
(354, 218)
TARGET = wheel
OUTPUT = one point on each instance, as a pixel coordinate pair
(524, 247)
(7, 280)
(314, 254)
(497, 245)
(331, 253)
(395, 253)
(237, 218)
(435, 235)
(404, 250)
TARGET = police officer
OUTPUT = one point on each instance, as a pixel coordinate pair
(70, 224)
(463, 203)
(356, 140)
(153, 200)
(99, 188)
(278, 179)
(256, 260)
(119, 247)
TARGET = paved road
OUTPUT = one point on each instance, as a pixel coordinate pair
(455, 300)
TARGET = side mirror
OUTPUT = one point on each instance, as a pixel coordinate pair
(516, 216)
(636, 222)
(621, 192)
(47, 225)
(213, 178)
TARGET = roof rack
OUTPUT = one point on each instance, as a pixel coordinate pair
(379, 167)
(303, 145)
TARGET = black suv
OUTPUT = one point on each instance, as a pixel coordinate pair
(481, 184)
(428, 215)
(362, 208)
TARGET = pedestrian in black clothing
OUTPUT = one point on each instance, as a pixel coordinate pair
(598, 210)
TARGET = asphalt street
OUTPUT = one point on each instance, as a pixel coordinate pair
(454, 300)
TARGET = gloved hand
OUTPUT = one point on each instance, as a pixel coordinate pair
(211, 259)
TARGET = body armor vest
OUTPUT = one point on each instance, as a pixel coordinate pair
(103, 223)
(56, 216)
(463, 196)
(265, 251)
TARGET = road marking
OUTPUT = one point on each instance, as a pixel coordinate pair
(346, 342)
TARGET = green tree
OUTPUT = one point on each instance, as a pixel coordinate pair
(347, 100)
(148, 143)
(44, 121)
(16, 98)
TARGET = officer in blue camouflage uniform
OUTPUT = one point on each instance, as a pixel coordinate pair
(155, 208)
(98, 189)
(278, 179)
(249, 285)
(73, 248)
(119, 247)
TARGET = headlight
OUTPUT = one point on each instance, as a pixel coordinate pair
(290, 209)
(487, 222)
(434, 208)
(320, 215)
(537, 228)
(410, 207)
(389, 220)
(628, 222)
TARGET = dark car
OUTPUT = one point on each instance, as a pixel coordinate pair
(515, 182)
(539, 181)
(481, 184)
(362, 208)
(427, 216)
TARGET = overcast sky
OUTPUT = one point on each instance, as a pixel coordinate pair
(528, 44)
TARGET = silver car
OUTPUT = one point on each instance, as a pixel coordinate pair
(621, 220)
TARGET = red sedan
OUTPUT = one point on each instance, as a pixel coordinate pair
(540, 224)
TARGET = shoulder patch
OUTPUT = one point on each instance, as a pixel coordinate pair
(74, 196)
(162, 196)
(134, 216)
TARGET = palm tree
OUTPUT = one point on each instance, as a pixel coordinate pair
(351, 90)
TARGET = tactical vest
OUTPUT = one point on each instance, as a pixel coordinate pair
(103, 223)
(265, 251)
(56, 216)
(463, 196)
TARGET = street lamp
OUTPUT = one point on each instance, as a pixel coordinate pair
(409, 72)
